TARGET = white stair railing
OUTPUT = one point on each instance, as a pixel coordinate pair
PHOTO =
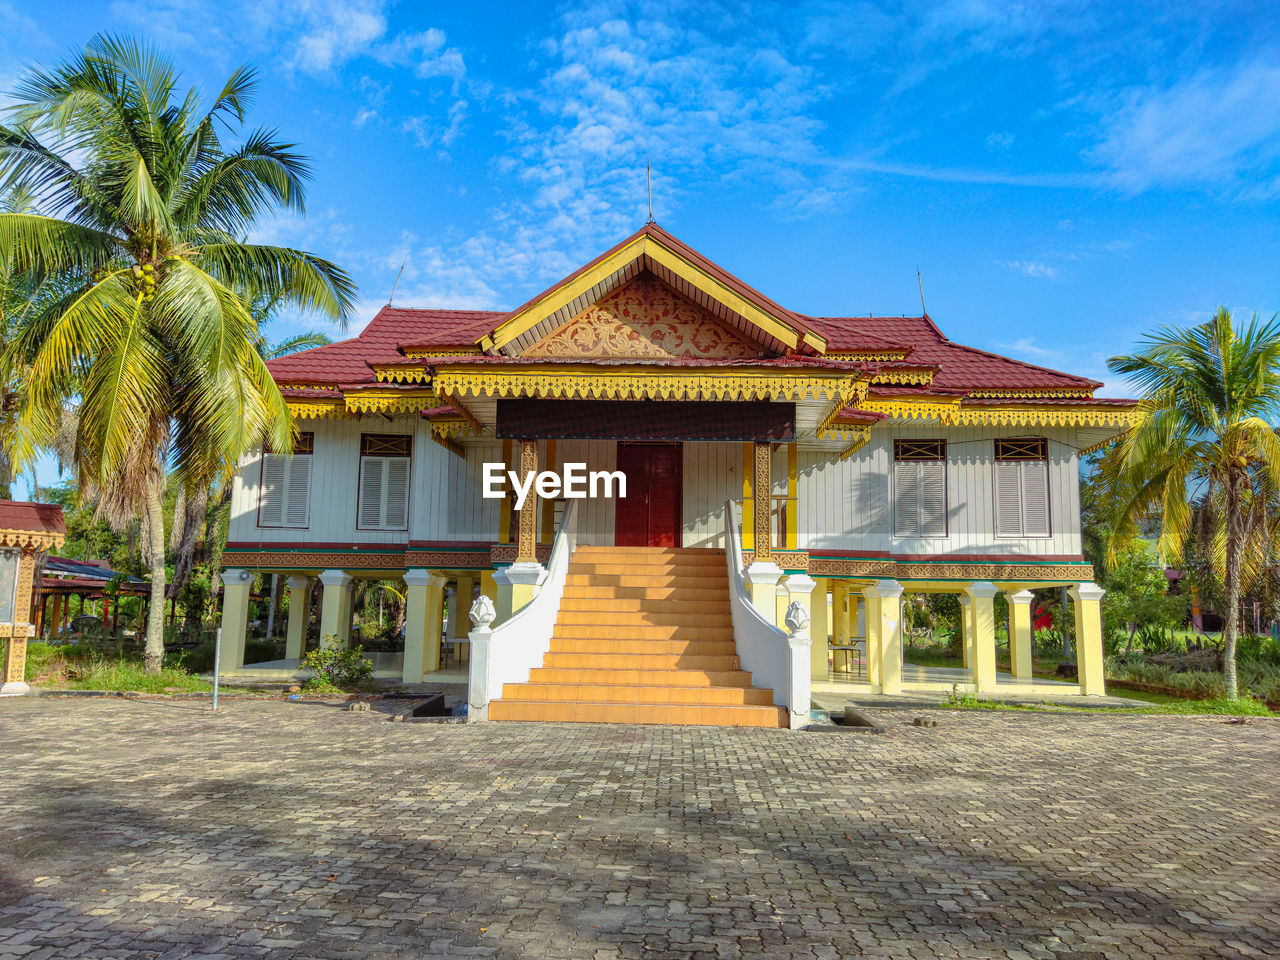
(770, 654)
(508, 652)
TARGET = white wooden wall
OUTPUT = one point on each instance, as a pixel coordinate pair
(712, 475)
(845, 505)
(334, 480)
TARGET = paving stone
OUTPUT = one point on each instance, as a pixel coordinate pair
(148, 828)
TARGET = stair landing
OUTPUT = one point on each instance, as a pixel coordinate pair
(644, 635)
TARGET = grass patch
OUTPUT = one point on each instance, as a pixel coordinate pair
(1220, 706)
(126, 675)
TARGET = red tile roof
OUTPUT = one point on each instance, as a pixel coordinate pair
(37, 517)
(380, 342)
(960, 367)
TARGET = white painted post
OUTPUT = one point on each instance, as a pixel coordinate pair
(799, 666)
(482, 615)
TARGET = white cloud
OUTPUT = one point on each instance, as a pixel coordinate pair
(1028, 349)
(1207, 128)
(1032, 268)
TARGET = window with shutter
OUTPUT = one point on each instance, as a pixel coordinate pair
(920, 488)
(1022, 487)
(384, 482)
(284, 493)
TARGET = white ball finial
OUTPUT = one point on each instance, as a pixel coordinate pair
(482, 612)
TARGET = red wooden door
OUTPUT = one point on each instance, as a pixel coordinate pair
(651, 513)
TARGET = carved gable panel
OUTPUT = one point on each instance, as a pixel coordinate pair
(645, 319)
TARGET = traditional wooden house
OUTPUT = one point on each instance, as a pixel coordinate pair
(28, 531)
(768, 457)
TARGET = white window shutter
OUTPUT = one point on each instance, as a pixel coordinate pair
(296, 511)
(274, 490)
(1035, 498)
(371, 469)
(906, 499)
(1008, 499)
(396, 514)
(933, 498)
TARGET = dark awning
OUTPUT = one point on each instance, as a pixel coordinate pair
(670, 420)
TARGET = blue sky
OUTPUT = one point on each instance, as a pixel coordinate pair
(1065, 176)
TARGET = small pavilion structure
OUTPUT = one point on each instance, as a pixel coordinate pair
(28, 531)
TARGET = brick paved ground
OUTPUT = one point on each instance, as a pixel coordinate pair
(153, 829)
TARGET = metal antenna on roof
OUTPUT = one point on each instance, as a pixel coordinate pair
(648, 179)
(397, 283)
(920, 283)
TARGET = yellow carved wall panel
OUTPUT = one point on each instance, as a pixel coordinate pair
(645, 319)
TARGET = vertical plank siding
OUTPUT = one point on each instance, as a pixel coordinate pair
(843, 504)
(846, 504)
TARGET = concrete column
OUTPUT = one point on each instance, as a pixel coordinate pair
(502, 595)
(424, 596)
(841, 628)
(295, 641)
(884, 635)
(762, 582)
(983, 645)
(781, 600)
(965, 627)
(335, 609)
(819, 650)
(465, 594)
(1020, 634)
(451, 611)
(1087, 601)
(525, 579)
(235, 618)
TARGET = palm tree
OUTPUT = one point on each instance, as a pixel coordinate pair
(1210, 395)
(264, 308)
(140, 209)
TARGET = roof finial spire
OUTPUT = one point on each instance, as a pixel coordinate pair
(396, 285)
(648, 179)
(920, 284)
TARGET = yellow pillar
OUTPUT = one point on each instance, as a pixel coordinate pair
(462, 617)
(781, 600)
(13, 680)
(235, 617)
(547, 532)
(819, 651)
(1087, 601)
(884, 635)
(488, 588)
(792, 540)
(424, 606)
(982, 616)
(762, 493)
(748, 498)
(965, 626)
(1020, 634)
(527, 543)
(335, 609)
(295, 642)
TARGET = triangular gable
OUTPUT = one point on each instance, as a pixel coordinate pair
(646, 320)
(656, 251)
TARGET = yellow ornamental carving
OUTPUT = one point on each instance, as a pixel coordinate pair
(401, 373)
(316, 409)
(645, 384)
(645, 319)
(391, 401)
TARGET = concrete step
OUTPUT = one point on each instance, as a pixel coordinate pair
(639, 661)
(627, 577)
(638, 693)
(639, 606)
(654, 713)
(597, 594)
(694, 648)
(632, 631)
(648, 678)
(609, 616)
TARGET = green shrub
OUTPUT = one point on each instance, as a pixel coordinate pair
(129, 675)
(337, 668)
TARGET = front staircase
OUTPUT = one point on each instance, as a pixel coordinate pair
(643, 636)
